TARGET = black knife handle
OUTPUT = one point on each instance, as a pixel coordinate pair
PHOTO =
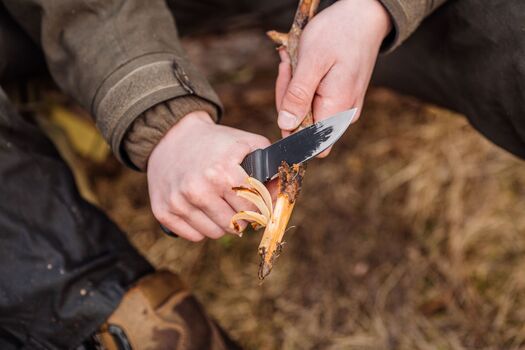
(256, 165)
(167, 231)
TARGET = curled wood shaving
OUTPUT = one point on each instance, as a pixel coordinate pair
(263, 191)
(259, 195)
(249, 216)
(255, 198)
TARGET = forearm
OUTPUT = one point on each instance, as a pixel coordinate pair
(118, 59)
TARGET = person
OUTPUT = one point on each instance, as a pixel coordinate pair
(69, 278)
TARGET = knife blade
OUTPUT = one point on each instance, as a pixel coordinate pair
(263, 164)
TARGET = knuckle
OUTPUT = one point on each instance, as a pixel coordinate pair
(214, 174)
(161, 215)
(327, 106)
(253, 142)
(191, 189)
(297, 94)
(174, 203)
(242, 148)
(236, 154)
(198, 198)
(261, 141)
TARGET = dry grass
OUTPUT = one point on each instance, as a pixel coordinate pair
(411, 235)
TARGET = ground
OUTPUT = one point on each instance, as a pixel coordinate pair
(411, 235)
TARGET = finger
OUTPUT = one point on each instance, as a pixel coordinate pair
(285, 133)
(283, 78)
(197, 219)
(273, 188)
(206, 195)
(257, 142)
(283, 55)
(325, 107)
(237, 178)
(220, 212)
(239, 204)
(300, 92)
(325, 153)
(195, 194)
(164, 213)
(182, 229)
(335, 94)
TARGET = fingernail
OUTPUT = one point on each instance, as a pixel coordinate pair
(286, 120)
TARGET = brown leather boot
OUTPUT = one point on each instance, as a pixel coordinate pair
(159, 313)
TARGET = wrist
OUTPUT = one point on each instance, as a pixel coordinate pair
(374, 12)
(383, 19)
(186, 126)
(196, 120)
(191, 121)
(196, 117)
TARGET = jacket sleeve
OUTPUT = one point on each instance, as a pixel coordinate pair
(118, 59)
(406, 16)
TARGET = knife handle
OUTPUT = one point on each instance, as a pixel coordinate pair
(256, 165)
(167, 231)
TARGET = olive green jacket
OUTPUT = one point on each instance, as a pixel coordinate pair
(121, 58)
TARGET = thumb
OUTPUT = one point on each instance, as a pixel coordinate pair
(299, 94)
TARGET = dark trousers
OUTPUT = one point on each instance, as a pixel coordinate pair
(64, 266)
(469, 57)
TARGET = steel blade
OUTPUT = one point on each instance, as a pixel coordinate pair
(298, 147)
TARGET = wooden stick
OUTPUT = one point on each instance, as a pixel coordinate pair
(290, 177)
(290, 180)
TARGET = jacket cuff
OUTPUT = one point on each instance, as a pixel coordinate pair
(151, 126)
(399, 25)
(141, 84)
(406, 17)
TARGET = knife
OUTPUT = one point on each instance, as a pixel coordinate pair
(263, 164)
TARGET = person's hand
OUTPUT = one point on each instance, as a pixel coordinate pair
(336, 56)
(191, 173)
